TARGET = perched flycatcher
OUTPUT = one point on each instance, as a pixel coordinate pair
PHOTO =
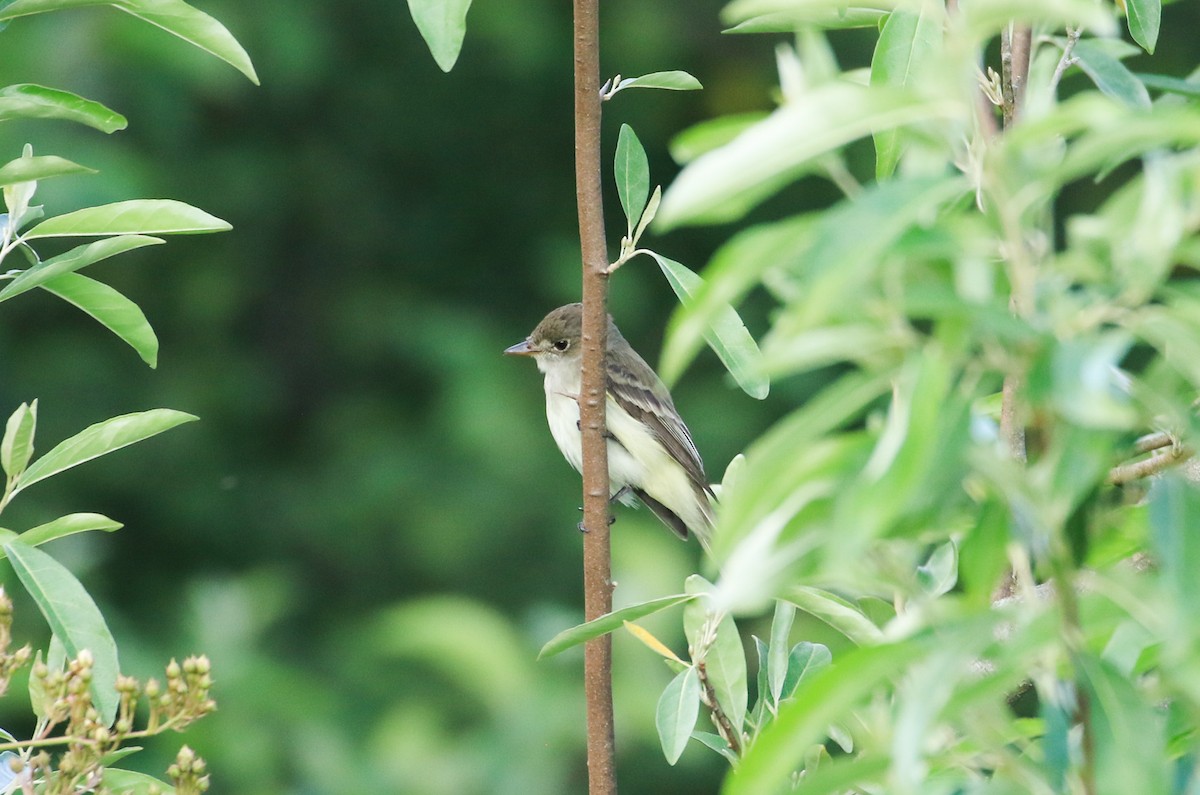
(650, 452)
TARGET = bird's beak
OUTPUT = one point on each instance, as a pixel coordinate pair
(522, 348)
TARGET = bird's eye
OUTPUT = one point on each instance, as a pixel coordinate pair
(561, 345)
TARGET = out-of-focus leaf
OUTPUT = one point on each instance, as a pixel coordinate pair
(724, 183)
(30, 101)
(1174, 514)
(1086, 383)
(984, 19)
(114, 311)
(134, 217)
(99, 439)
(671, 81)
(174, 16)
(32, 169)
(17, 446)
(939, 573)
(443, 25)
(709, 134)
(73, 260)
(818, 16)
(675, 717)
(836, 612)
(907, 37)
(1172, 85)
(1143, 17)
(1130, 750)
(73, 617)
(129, 782)
(632, 172)
(1110, 75)
(607, 623)
(68, 525)
(727, 336)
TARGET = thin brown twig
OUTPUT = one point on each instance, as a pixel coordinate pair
(1136, 470)
(729, 733)
(597, 560)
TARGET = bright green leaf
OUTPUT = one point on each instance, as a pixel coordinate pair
(804, 660)
(73, 260)
(32, 169)
(114, 311)
(99, 439)
(836, 612)
(727, 336)
(443, 25)
(632, 172)
(73, 617)
(672, 81)
(906, 38)
(134, 217)
(129, 782)
(675, 717)
(17, 446)
(607, 623)
(174, 16)
(29, 101)
(777, 654)
(820, 16)
(1143, 18)
(68, 525)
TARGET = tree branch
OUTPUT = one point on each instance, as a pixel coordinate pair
(597, 563)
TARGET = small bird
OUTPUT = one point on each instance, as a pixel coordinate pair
(650, 451)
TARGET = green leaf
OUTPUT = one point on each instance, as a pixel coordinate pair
(1130, 750)
(836, 612)
(29, 101)
(727, 335)
(134, 217)
(906, 38)
(129, 782)
(174, 16)
(632, 172)
(68, 525)
(1172, 85)
(32, 169)
(816, 15)
(675, 717)
(17, 447)
(707, 135)
(443, 25)
(777, 654)
(607, 623)
(99, 439)
(73, 617)
(1110, 75)
(114, 311)
(804, 660)
(1143, 17)
(725, 183)
(73, 260)
(671, 81)
(1174, 515)
(940, 573)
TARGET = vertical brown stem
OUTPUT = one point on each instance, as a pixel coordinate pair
(597, 581)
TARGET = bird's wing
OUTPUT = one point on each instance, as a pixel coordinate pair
(637, 389)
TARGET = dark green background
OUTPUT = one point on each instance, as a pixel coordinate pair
(371, 532)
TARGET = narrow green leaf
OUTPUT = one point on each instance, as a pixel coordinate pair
(29, 101)
(1130, 748)
(1174, 513)
(836, 612)
(174, 16)
(32, 169)
(443, 25)
(1144, 17)
(1172, 85)
(632, 172)
(134, 217)
(99, 439)
(73, 617)
(675, 717)
(777, 655)
(648, 213)
(607, 623)
(671, 81)
(1110, 75)
(906, 38)
(129, 782)
(73, 260)
(17, 446)
(114, 311)
(707, 135)
(820, 16)
(68, 525)
(726, 335)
